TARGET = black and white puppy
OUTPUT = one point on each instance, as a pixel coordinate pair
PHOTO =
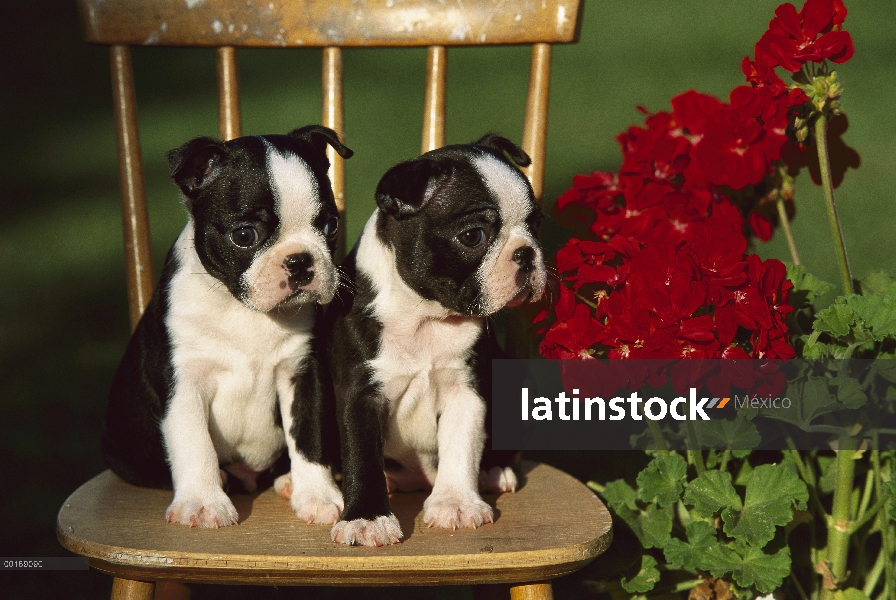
(227, 356)
(453, 241)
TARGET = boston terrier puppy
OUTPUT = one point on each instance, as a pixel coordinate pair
(452, 242)
(223, 370)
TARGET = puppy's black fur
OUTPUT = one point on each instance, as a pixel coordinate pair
(235, 221)
(439, 221)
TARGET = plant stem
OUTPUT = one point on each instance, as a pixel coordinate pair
(657, 434)
(875, 572)
(824, 163)
(887, 550)
(799, 588)
(839, 524)
(866, 495)
(585, 300)
(808, 479)
(596, 487)
(694, 454)
(788, 234)
(860, 522)
(726, 456)
(686, 585)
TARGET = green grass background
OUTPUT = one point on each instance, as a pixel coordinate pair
(63, 314)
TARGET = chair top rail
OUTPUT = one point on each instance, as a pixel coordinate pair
(322, 23)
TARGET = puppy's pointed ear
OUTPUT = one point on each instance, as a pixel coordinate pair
(501, 144)
(319, 137)
(196, 164)
(402, 190)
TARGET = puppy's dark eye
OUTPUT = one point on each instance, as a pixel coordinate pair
(244, 237)
(331, 227)
(472, 237)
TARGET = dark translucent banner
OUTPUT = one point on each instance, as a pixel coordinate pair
(740, 405)
(52, 563)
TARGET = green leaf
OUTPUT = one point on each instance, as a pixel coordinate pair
(645, 579)
(739, 434)
(744, 474)
(772, 492)
(810, 398)
(711, 492)
(806, 287)
(719, 559)
(756, 568)
(850, 594)
(836, 320)
(889, 489)
(828, 480)
(619, 493)
(875, 283)
(850, 392)
(877, 313)
(653, 526)
(681, 555)
(885, 369)
(815, 350)
(662, 480)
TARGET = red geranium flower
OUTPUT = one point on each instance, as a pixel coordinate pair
(812, 35)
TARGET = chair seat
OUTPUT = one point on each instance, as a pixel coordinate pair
(553, 525)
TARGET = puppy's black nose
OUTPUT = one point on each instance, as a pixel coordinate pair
(299, 267)
(524, 257)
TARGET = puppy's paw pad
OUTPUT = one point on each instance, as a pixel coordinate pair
(213, 512)
(382, 531)
(323, 508)
(498, 480)
(453, 513)
(283, 486)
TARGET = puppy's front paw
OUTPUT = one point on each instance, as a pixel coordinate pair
(451, 512)
(498, 480)
(313, 504)
(209, 510)
(382, 531)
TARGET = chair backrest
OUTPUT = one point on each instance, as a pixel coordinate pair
(331, 25)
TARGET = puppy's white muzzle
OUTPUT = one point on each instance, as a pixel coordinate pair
(289, 274)
(513, 273)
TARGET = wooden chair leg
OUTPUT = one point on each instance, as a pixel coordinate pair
(127, 589)
(538, 590)
(172, 590)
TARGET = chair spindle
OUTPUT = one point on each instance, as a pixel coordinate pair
(135, 221)
(536, 126)
(229, 125)
(333, 117)
(434, 99)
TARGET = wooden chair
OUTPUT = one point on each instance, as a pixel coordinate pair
(552, 526)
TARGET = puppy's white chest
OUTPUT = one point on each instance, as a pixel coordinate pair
(236, 361)
(421, 370)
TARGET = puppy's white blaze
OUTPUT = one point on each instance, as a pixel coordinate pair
(297, 196)
(297, 203)
(498, 272)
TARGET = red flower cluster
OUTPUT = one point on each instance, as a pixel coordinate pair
(667, 276)
(812, 35)
(664, 273)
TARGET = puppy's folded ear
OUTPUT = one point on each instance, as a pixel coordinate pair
(196, 164)
(501, 144)
(319, 137)
(402, 190)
